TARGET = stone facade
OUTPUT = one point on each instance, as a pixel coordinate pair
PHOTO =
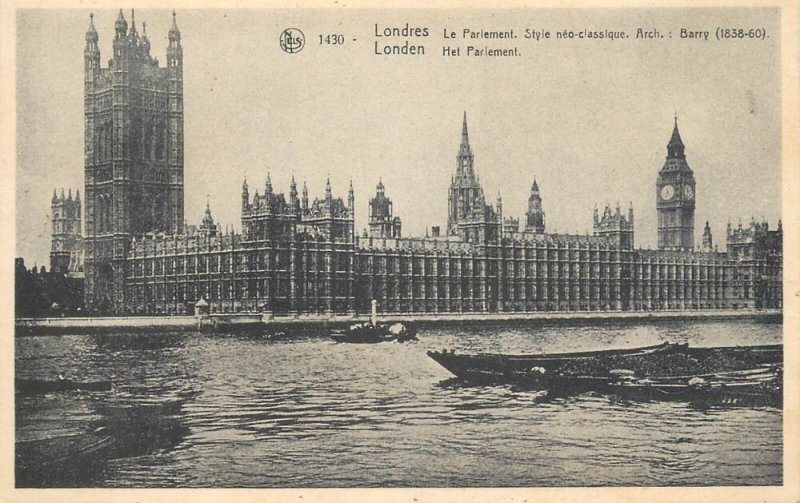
(297, 256)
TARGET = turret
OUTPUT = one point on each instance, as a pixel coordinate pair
(120, 39)
(174, 49)
(708, 241)
(245, 196)
(145, 42)
(91, 53)
(328, 193)
(534, 218)
(120, 26)
(305, 197)
(208, 228)
(133, 35)
(351, 199)
(268, 188)
(382, 224)
(293, 201)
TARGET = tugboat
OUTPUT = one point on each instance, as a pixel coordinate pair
(372, 332)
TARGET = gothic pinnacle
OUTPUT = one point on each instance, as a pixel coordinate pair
(174, 32)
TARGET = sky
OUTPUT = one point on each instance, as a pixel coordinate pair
(589, 120)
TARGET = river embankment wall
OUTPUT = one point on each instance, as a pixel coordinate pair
(256, 321)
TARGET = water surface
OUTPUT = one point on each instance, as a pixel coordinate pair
(303, 411)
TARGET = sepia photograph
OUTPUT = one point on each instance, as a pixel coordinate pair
(400, 248)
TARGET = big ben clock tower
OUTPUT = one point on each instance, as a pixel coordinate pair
(675, 193)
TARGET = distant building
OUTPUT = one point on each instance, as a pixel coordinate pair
(66, 248)
(295, 255)
(42, 293)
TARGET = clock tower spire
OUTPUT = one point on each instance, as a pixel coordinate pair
(675, 198)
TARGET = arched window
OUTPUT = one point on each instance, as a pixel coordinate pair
(160, 140)
(108, 140)
(135, 138)
(98, 215)
(148, 140)
(98, 142)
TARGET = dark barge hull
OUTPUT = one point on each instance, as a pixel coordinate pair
(638, 374)
(62, 460)
(35, 387)
(535, 369)
(495, 368)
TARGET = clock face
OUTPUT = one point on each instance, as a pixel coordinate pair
(688, 193)
(667, 191)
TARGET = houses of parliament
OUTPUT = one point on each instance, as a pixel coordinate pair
(301, 255)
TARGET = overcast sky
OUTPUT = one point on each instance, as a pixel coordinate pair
(589, 120)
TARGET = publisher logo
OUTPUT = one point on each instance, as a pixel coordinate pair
(292, 40)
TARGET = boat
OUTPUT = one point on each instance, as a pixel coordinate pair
(753, 387)
(367, 333)
(62, 459)
(372, 332)
(737, 375)
(533, 369)
(37, 387)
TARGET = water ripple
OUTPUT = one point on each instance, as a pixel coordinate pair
(306, 412)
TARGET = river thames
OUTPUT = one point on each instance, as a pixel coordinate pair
(298, 410)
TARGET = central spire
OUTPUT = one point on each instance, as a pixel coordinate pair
(465, 150)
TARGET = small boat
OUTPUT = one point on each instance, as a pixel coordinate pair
(37, 387)
(752, 387)
(530, 370)
(367, 333)
(372, 332)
